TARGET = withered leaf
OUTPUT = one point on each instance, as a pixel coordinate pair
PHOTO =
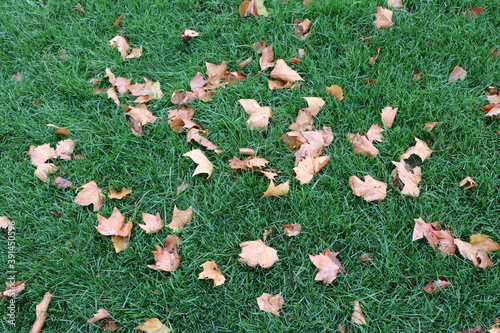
(278, 190)
(180, 218)
(43, 170)
(362, 146)
(180, 119)
(410, 177)
(245, 63)
(304, 120)
(283, 72)
(118, 21)
(121, 44)
(301, 28)
(336, 91)
(249, 163)
(421, 149)
(141, 114)
(112, 95)
(59, 130)
(13, 289)
(257, 253)
(370, 189)
(40, 154)
(433, 286)
(99, 315)
(193, 134)
(458, 73)
(172, 243)
(41, 313)
(5, 223)
(165, 261)
(395, 3)
(134, 53)
(269, 303)
(114, 225)
(308, 167)
(112, 194)
(429, 126)
(246, 151)
(484, 243)
(328, 264)
(153, 223)
(258, 46)
(479, 258)
(64, 149)
(357, 316)
(388, 114)
(374, 57)
(292, 229)
(60, 182)
(186, 33)
(90, 194)
(266, 58)
(211, 271)
(253, 7)
(259, 115)
(383, 18)
(204, 165)
(468, 182)
(153, 325)
(150, 89)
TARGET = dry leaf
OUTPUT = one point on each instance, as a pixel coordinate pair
(45, 169)
(292, 229)
(259, 115)
(484, 243)
(13, 289)
(141, 114)
(246, 151)
(180, 218)
(374, 57)
(304, 120)
(59, 130)
(112, 194)
(17, 77)
(181, 188)
(269, 303)
(388, 114)
(278, 190)
(328, 264)
(180, 119)
(60, 182)
(357, 315)
(153, 223)
(121, 44)
(494, 53)
(172, 243)
(410, 177)
(99, 315)
(112, 94)
(440, 283)
(458, 73)
(383, 18)
(6, 223)
(335, 91)
(40, 154)
(258, 46)
(249, 163)
(193, 134)
(435, 236)
(269, 173)
(253, 7)
(417, 76)
(204, 165)
(165, 261)
(473, 12)
(118, 21)
(283, 72)
(370, 189)
(257, 253)
(468, 182)
(421, 149)
(471, 252)
(136, 52)
(308, 167)
(366, 258)
(362, 145)
(395, 3)
(90, 194)
(429, 126)
(114, 225)
(301, 29)
(266, 58)
(41, 313)
(152, 90)
(64, 149)
(186, 33)
(153, 325)
(211, 271)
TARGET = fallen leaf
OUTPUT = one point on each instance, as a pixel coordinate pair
(304, 120)
(257, 253)
(45, 169)
(13, 289)
(423, 229)
(328, 264)
(118, 21)
(366, 258)
(246, 151)
(153, 223)
(172, 243)
(152, 90)
(99, 315)
(357, 315)
(253, 7)
(296, 60)
(383, 18)
(473, 12)
(292, 230)
(266, 58)
(64, 149)
(269, 303)
(186, 33)
(410, 177)
(259, 115)
(180, 218)
(458, 73)
(211, 271)
(335, 91)
(17, 77)
(245, 63)
(181, 188)
(249, 163)
(59, 130)
(494, 53)
(374, 57)
(433, 286)
(5, 223)
(112, 95)
(141, 114)
(388, 114)
(193, 134)
(121, 44)
(80, 9)
(484, 243)
(421, 149)
(395, 3)
(165, 261)
(471, 252)
(40, 154)
(370, 189)
(60, 182)
(41, 313)
(204, 165)
(180, 119)
(153, 325)
(468, 182)
(283, 72)
(362, 146)
(417, 76)
(375, 133)
(90, 194)
(112, 194)
(278, 190)
(477, 329)
(308, 167)
(136, 52)
(270, 173)
(429, 126)
(114, 225)
(301, 28)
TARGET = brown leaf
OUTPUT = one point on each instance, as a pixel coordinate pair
(305, 116)
(40, 154)
(186, 33)
(118, 21)
(172, 243)
(64, 149)
(136, 52)
(458, 73)
(472, 252)
(193, 134)
(357, 315)
(477, 329)
(484, 243)
(5, 223)
(417, 76)
(494, 53)
(362, 146)
(257, 253)
(112, 194)
(283, 72)
(249, 163)
(153, 223)
(433, 286)
(180, 218)
(211, 271)
(309, 143)
(120, 243)
(370, 189)
(141, 114)
(150, 89)
(45, 169)
(247, 151)
(121, 44)
(80, 9)
(328, 264)
(270, 173)
(374, 57)
(292, 230)
(266, 58)
(269, 303)
(13, 289)
(366, 258)
(259, 115)
(112, 94)
(335, 91)
(473, 12)
(388, 114)
(165, 261)
(278, 190)
(180, 119)
(90, 194)
(395, 3)
(258, 46)
(308, 167)
(60, 182)
(17, 77)
(153, 325)
(301, 28)
(114, 225)
(423, 229)
(245, 63)
(253, 7)
(409, 178)
(59, 130)
(181, 188)
(375, 133)
(204, 165)
(383, 18)
(429, 126)
(468, 182)
(99, 315)
(41, 313)
(421, 149)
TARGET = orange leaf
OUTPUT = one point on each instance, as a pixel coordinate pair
(90, 194)
(305, 116)
(180, 218)
(112, 194)
(433, 286)
(458, 73)
(44, 169)
(153, 325)
(13, 289)
(468, 182)
(335, 91)
(383, 18)
(292, 229)
(421, 149)
(114, 225)
(41, 313)
(328, 264)
(357, 315)
(308, 167)
(409, 178)
(153, 223)
(259, 115)
(257, 253)
(388, 114)
(283, 72)
(279, 190)
(59, 130)
(211, 271)
(472, 252)
(141, 114)
(370, 189)
(266, 58)
(204, 165)
(172, 243)
(165, 261)
(269, 303)
(484, 243)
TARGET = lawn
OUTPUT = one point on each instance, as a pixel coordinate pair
(59, 250)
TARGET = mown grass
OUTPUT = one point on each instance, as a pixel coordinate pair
(71, 260)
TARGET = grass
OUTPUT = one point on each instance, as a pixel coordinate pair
(67, 257)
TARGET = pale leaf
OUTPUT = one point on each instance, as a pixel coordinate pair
(421, 149)
(90, 194)
(180, 218)
(204, 165)
(458, 73)
(388, 114)
(278, 190)
(269, 303)
(153, 325)
(328, 264)
(370, 189)
(153, 223)
(41, 313)
(383, 18)
(283, 72)
(257, 253)
(357, 315)
(165, 261)
(211, 271)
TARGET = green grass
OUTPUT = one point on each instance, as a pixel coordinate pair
(70, 259)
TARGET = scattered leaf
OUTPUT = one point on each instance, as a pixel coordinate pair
(153, 325)
(472, 252)
(258, 46)
(64, 149)
(374, 57)
(429, 126)
(395, 4)
(136, 52)
(278, 190)
(118, 21)
(17, 77)
(59, 130)
(357, 315)
(458, 73)
(494, 53)
(40, 154)
(165, 261)
(259, 115)
(328, 264)
(473, 12)
(121, 44)
(366, 258)
(193, 134)
(409, 177)
(80, 9)
(204, 165)
(370, 189)
(153, 223)
(484, 243)
(245, 63)
(335, 91)
(269, 303)
(246, 151)
(383, 18)
(13, 289)
(60, 182)
(304, 120)
(211, 271)
(41, 313)
(421, 149)
(468, 182)
(180, 218)
(257, 253)
(112, 194)
(308, 167)
(141, 114)
(43, 170)
(253, 7)
(301, 28)
(181, 188)
(186, 33)
(90, 194)
(433, 286)
(5, 223)
(99, 315)
(283, 72)
(292, 230)
(388, 114)
(249, 163)
(172, 243)
(114, 225)
(417, 76)
(266, 58)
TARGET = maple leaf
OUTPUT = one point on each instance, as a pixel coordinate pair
(180, 218)
(468, 182)
(211, 271)
(40, 154)
(181, 97)
(165, 261)
(429, 126)
(283, 72)
(121, 44)
(151, 90)
(103, 317)
(335, 91)
(216, 73)
(245, 63)
(395, 3)
(270, 173)
(362, 146)
(472, 252)
(357, 316)
(308, 143)
(114, 225)
(153, 223)
(292, 230)
(410, 177)
(433, 286)
(59, 130)
(193, 134)
(370, 189)
(435, 236)
(421, 149)
(296, 60)
(301, 28)
(172, 243)
(259, 115)
(112, 194)
(257, 253)
(328, 264)
(60, 182)
(90, 194)
(45, 169)
(178, 119)
(153, 325)
(41, 313)
(246, 151)
(253, 7)
(388, 114)
(141, 114)
(266, 58)
(134, 53)
(64, 149)
(458, 73)
(308, 167)
(13, 289)
(484, 243)
(270, 303)
(5, 223)
(186, 33)
(383, 18)
(278, 190)
(204, 165)
(99, 315)
(249, 163)
(112, 94)
(305, 116)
